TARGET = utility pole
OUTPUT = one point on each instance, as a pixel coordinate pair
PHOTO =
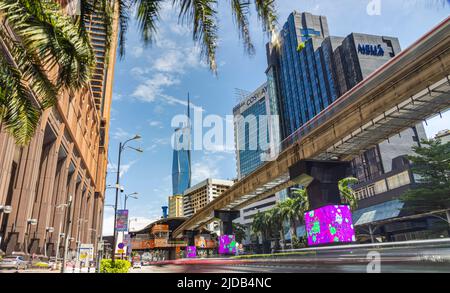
(67, 230)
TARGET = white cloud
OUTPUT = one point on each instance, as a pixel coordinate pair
(207, 167)
(153, 87)
(124, 168)
(156, 124)
(117, 96)
(121, 134)
(136, 51)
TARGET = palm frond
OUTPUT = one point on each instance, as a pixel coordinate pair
(240, 11)
(203, 15)
(123, 7)
(267, 14)
(42, 28)
(147, 15)
(17, 111)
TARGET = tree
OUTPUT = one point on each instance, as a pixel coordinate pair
(239, 232)
(42, 40)
(432, 165)
(347, 193)
(201, 15)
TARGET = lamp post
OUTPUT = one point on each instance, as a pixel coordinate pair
(4, 209)
(121, 148)
(30, 222)
(67, 229)
(126, 198)
(47, 230)
(60, 234)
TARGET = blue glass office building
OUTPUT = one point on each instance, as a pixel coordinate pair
(181, 164)
(310, 69)
(251, 131)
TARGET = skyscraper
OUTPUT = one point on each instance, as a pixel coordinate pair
(256, 133)
(308, 70)
(181, 164)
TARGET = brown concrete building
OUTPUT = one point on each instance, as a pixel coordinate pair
(175, 206)
(67, 158)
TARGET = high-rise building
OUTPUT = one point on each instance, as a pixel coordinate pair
(66, 159)
(175, 206)
(199, 195)
(443, 136)
(257, 137)
(308, 70)
(181, 164)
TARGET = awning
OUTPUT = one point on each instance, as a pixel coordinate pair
(379, 212)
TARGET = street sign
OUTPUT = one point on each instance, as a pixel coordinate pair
(100, 246)
(121, 245)
(120, 251)
(86, 252)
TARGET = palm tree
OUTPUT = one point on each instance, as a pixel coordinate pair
(201, 15)
(42, 53)
(347, 193)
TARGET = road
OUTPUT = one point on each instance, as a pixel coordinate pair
(424, 259)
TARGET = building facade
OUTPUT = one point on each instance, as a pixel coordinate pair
(199, 195)
(443, 136)
(181, 163)
(175, 206)
(257, 138)
(65, 162)
(309, 70)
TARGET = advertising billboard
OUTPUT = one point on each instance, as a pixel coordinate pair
(227, 244)
(122, 220)
(191, 251)
(329, 224)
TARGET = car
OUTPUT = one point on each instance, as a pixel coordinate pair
(137, 265)
(146, 263)
(13, 262)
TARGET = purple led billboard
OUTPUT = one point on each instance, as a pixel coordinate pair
(227, 244)
(329, 224)
(191, 251)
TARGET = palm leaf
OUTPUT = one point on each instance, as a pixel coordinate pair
(240, 11)
(147, 15)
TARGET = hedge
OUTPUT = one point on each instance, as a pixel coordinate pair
(119, 266)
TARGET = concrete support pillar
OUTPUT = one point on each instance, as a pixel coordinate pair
(190, 237)
(24, 194)
(226, 218)
(320, 179)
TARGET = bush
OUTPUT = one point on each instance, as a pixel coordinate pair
(119, 266)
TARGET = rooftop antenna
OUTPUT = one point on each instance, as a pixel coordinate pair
(240, 94)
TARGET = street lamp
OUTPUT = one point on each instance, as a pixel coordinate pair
(47, 230)
(121, 148)
(126, 198)
(4, 210)
(30, 222)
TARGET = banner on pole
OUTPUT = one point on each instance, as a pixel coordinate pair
(122, 220)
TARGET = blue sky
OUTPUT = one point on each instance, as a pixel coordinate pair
(151, 85)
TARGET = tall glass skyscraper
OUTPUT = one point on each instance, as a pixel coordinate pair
(311, 69)
(181, 164)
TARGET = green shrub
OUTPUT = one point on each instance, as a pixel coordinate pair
(119, 266)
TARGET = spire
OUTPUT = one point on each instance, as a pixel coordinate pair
(188, 108)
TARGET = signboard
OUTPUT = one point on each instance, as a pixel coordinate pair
(122, 220)
(329, 224)
(86, 253)
(127, 241)
(372, 50)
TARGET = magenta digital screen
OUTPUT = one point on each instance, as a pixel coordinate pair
(329, 224)
(191, 252)
(227, 244)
